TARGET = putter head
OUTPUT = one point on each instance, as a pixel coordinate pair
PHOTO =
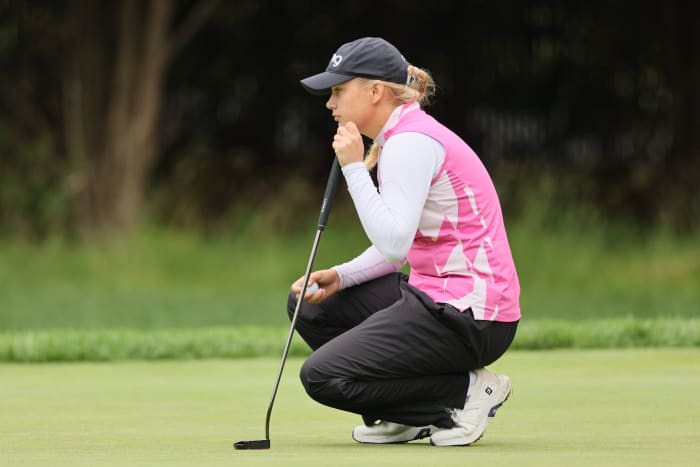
(253, 444)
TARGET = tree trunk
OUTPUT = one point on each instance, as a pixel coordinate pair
(112, 106)
(117, 165)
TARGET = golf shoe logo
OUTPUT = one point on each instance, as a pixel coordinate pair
(336, 59)
(488, 390)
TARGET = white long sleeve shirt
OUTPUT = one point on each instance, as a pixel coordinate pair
(408, 163)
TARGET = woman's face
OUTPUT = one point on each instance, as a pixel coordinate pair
(351, 102)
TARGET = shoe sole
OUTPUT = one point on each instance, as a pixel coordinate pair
(422, 433)
(492, 413)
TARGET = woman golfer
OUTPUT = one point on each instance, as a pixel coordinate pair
(408, 353)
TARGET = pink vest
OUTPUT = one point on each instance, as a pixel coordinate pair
(460, 254)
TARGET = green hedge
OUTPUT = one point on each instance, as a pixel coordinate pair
(608, 333)
(240, 342)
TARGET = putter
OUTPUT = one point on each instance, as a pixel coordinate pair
(322, 220)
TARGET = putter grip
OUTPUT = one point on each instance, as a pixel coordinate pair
(333, 179)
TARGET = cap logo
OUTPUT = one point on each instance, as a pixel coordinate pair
(336, 59)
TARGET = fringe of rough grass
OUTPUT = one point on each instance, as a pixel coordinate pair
(134, 344)
(247, 342)
(608, 333)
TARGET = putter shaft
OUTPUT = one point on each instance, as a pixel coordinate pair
(328, 196)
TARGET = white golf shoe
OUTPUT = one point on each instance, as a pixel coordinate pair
(487, 394)
(388, 432)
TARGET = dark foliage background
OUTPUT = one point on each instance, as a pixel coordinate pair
(587, 103)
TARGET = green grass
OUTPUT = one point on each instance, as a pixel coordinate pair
(587, 275)
(165, 279)
(573, 408)
(156, 279)
(265, 341)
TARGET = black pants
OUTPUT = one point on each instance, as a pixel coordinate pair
(385, 350)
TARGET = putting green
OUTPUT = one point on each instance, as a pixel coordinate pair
(611, 407)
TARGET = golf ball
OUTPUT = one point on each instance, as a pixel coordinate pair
(313, 288)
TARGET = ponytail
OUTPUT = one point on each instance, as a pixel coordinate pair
(420, 87)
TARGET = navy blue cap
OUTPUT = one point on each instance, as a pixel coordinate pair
(369, 57)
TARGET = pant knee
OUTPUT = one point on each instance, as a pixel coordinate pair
(327, 387)
(311, 379)
(316, 382)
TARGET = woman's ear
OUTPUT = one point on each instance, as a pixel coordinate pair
(377, 90)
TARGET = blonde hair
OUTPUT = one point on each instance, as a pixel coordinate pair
(420, 88)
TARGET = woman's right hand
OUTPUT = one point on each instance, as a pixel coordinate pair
(348, 145)
(328, 283)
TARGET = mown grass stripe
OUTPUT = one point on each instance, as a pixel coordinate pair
(253, 341)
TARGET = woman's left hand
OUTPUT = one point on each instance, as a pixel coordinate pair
(348, 145)
(328, 283)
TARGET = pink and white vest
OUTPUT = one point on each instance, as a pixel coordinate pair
(460, 254)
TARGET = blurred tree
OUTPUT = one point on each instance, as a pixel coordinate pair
(106, 64)
(112, 96)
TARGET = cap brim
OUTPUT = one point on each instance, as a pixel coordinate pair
(322, 83)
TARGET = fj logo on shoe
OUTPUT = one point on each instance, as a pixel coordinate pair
(488, 390)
